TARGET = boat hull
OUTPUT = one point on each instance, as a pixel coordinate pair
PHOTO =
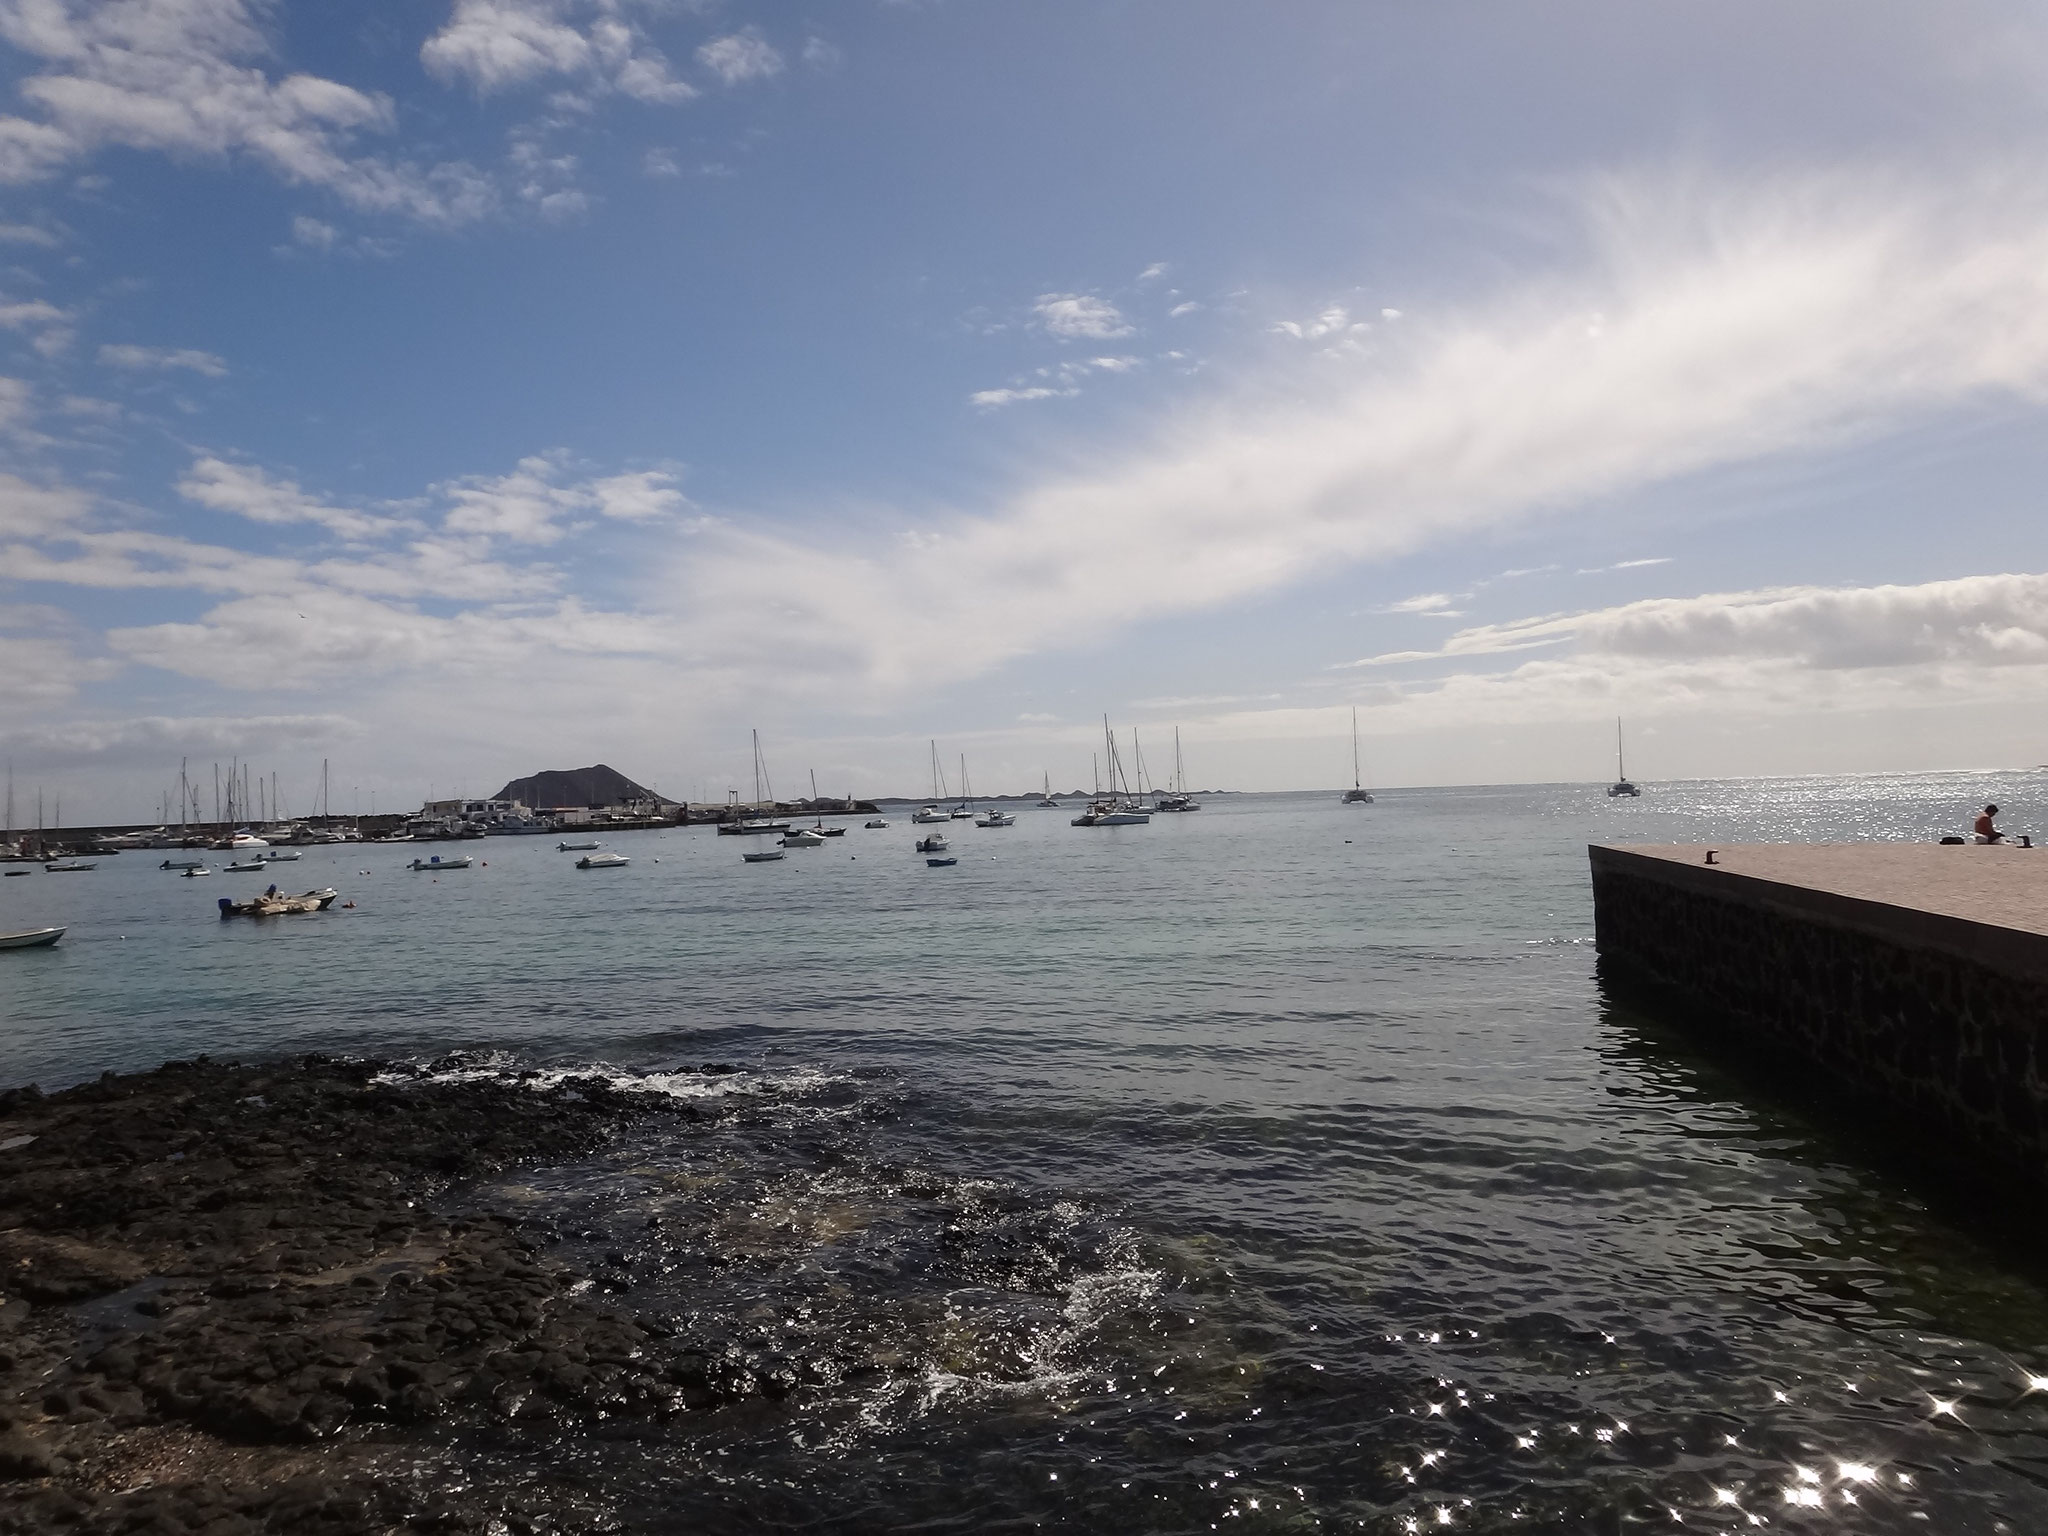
(31, 938)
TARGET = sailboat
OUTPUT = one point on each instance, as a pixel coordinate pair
(820, 828)
(1357, 794)
(994, 816)
(1621, 785)
(1114, 810)
(964, 811)
(1046, 801)
(1176, 797)
(933, 811)
(757, 824)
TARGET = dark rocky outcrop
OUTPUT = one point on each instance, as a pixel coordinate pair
(597, 788)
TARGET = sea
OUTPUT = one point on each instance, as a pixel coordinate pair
(1282, 1166)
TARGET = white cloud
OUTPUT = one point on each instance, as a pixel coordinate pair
(497, 45)
(821, 55)
(1178, 310)
(660, 162)
(1332, 321)
(1158, 269)
(1427, 602)
(740, 57)
(1080, 316)
(314, 234)
(177, 77)
(1739, 323)
(162, 359)
(27, 234)
(249, 492)
(992, 399)
(532, 506)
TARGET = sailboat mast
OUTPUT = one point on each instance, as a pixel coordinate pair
(1620, 772)
(1357, 776)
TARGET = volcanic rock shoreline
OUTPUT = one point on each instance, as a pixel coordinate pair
(239, 1299)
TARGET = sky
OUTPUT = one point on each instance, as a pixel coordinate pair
(452, 389)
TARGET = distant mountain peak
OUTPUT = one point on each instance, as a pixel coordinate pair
(594, 788)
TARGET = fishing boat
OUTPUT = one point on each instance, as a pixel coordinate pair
(69, 867)
(281, 856)
(765, 856)
(1621, 785)
(254, 868)
(272, 904)
(577, 847)
(803, 837)
(880, 823)
(940, 863)
(10, 874)
(1357, 794)
(196, 872)
(936, 843)
(31, 938)
(460, 861)
(995, 818)
(603, 861)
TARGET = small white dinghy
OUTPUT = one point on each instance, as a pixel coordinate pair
(246, 869)
(437, 862)
(603, 861)
(577, 847)
(31, 938)
(765, 856)
(197, 872)
(281, 856)
(878, 824)
(996, 819)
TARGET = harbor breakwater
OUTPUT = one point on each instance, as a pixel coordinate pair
(1911, 980)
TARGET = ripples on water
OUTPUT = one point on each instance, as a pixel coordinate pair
(1281, 1164)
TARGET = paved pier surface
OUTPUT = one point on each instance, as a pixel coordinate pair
(1913, 976)
(2000, 885)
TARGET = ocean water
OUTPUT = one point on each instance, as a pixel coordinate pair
(1283, 1163)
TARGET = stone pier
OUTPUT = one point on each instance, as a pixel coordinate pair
(1913, 978)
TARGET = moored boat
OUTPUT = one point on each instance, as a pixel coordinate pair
(254, 868)
(69, 867)
(764, 856)
(460, 861)
(182, 864)
(936, 843)
(880, 823)
(803, 837)
(273, 904)
(995, 818)
(1357, 794)
(31, 938)
(940, 863)
(196, 872)
(577, 847)
(603, 861)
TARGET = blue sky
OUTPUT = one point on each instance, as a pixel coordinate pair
(461, 388)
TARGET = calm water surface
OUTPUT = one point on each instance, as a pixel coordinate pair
(1282, 1163)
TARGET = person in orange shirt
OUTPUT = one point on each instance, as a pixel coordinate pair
(1986, 832)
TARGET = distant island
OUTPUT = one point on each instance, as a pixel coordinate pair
(596, 788)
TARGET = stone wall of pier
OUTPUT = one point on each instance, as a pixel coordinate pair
(1932, 1021)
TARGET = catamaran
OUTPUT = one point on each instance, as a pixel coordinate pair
(1176, 797)
(1621, 785)
(1114, 810)
(1357, 794)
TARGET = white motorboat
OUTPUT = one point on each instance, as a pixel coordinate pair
(603, 861)
(244, 840)
(197, 872)
(31, 938)
(936, 843)
(765, 856)
(69, 867)
(281, 856)
(254, 868)
(880, 823)
(929, 813)
(460, 861)
(577, 847)
(995, 818)
(803, 837)
(1357, 794)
